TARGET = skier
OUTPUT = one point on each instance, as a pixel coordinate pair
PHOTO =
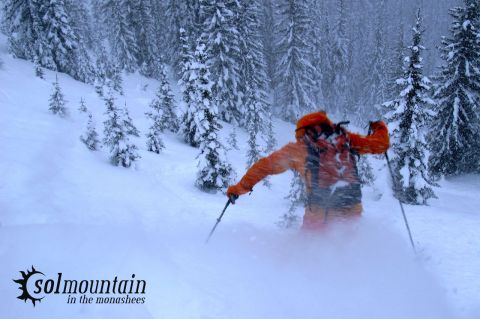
(324, 155)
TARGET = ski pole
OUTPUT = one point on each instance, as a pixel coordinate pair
(400, 202)
(231, 200)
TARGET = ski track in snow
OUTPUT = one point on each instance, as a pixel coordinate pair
(65, 209)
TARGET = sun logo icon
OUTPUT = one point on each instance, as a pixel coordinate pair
(23, 286)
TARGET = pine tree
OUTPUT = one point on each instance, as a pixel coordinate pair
(145, 37)
(18, 25)
(163, 115)
(97, 9)
(91, 138)
(154, 140)
(270, 144)
(116, 80)
(24, 28)
(38, 68)
(253, 77)
(116, 138)
(81, 25)
(81, 22)
(42, 29)
(214, 170)
(82, 108)
(409, 115)
(253, 152)
(294, 72)
(222, 42)
(396, 69)
(121, 34)
(326, 61)
(456, 125)
(340, 62)
(268, 27)
(165, 104)
(365, 171)
(103, 70)
(232, 139)
(180, 22)
(130, 128)
(57, 101)
(376, 77)
(160, 32)
(365, 25)
(297, 197)
(67, 51)
(270, 140)
(317, 48)
(190, 122)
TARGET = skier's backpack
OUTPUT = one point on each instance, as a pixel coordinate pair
(327, 187)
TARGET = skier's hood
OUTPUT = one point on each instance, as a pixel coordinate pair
(312, 119)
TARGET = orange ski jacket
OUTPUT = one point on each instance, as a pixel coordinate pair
(337, 166)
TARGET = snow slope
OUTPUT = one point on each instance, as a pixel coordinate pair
(65, 209)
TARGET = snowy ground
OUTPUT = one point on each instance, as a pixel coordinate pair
(65, 209)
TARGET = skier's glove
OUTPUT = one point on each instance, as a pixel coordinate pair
(376, 125)
(236, 190)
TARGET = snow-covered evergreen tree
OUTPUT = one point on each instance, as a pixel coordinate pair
(145, 37)
(38, 68)
(223, 42)
(103, 70)
(66, 50)
(270, 144)
(214, 170)
(164, 102)
(191, 130)
(377, 77)
(115, 80)
(232, 139)
(43, 29)
(20, 23)
(82, 108)
(409, 116)
(296, 197)
(130, 128)
(181, 22)
(396, 64)
(81, 22)
(456, 125)
(154, 140)
(268, 40)
(116, 137)
(270, 140)
(326, 60)
(162, 115)
(294, 73)
(340, 61)
(365, 171)
(253, 151)
(91, 137)
(254, 81)
(318, 46)
(57, 101)
(117, 18)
